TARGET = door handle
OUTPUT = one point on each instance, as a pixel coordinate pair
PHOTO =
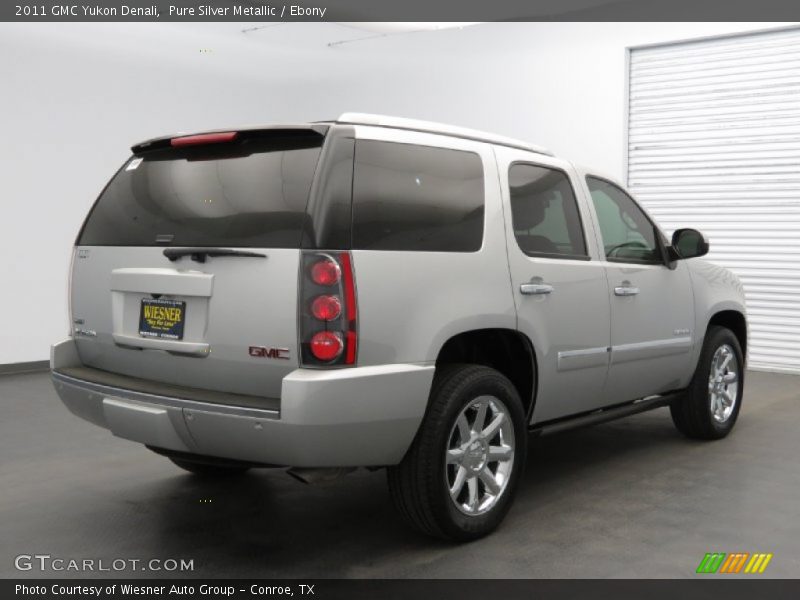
(535, 289)
(626, 290)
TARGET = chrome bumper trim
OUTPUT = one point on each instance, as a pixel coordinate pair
(168, 401)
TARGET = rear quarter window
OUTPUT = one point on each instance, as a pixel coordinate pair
(418, 198)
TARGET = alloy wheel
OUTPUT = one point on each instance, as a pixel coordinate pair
(723, 383)
(480, 455)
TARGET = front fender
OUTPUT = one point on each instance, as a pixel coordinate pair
(716, 289)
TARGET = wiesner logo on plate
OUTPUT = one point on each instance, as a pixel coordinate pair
(736, 562)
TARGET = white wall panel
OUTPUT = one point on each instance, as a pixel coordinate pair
(714, 143)
(75, 97)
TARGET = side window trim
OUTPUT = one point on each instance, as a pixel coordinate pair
(658, 234)
(571, 183)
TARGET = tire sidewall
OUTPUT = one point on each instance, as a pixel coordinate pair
(457, 524)
(717, 338)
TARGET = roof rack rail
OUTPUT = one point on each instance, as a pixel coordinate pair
(440, 128)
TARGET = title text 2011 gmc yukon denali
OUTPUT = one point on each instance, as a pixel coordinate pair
(381, 292)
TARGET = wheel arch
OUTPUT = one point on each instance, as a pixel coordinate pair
(734, 320)
(507, 350)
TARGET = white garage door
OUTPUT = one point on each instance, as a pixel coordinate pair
(714, 143)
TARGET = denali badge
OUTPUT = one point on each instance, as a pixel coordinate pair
(262, 352)
(85, 332)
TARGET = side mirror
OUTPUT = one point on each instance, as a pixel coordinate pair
(688, 243)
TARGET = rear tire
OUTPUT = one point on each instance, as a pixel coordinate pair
(710, 406)
(209, 470)
(459, 477)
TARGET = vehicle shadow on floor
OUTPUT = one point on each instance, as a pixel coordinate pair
(266, 523)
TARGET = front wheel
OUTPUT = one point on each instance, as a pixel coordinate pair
(458, 479)
(710, 406)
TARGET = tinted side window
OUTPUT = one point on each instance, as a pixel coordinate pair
(544, 212)
(409, 197)
(628, 235)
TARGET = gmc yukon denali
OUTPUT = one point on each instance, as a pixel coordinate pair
(386, 293)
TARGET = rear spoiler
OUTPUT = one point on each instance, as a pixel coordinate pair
(217, 136)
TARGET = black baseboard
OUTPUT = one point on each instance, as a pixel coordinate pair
(25, 367)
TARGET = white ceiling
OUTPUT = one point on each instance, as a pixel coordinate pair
(322, 35)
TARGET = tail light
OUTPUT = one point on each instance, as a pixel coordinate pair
(326, 345)
(328, 313)
(326, 308)
(325, 272)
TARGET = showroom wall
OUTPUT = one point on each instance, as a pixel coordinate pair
(74, 99)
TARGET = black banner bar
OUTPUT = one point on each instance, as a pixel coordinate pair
(383, 589)
(400, 10)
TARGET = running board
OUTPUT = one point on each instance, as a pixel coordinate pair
(604, 414)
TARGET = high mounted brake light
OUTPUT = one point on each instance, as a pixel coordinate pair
(328, 311)
(203, 138)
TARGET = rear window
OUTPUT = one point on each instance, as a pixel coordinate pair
(409, 197)
(252, 193)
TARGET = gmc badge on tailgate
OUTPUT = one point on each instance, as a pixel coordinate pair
(262, 352)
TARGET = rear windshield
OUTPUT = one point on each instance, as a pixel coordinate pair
(252, 193)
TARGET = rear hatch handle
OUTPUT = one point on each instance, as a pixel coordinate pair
(200, 254)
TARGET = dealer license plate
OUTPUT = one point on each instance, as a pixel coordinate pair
(162, 319)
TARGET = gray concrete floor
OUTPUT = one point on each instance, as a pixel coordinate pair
(625, 499)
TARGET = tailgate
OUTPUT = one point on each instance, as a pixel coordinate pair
(229, 305)
(185, 271)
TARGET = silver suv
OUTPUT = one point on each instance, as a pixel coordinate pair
(380, 292)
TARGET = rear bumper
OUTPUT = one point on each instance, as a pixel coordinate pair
(365, 416)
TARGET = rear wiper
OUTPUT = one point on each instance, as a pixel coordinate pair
(200, 254)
